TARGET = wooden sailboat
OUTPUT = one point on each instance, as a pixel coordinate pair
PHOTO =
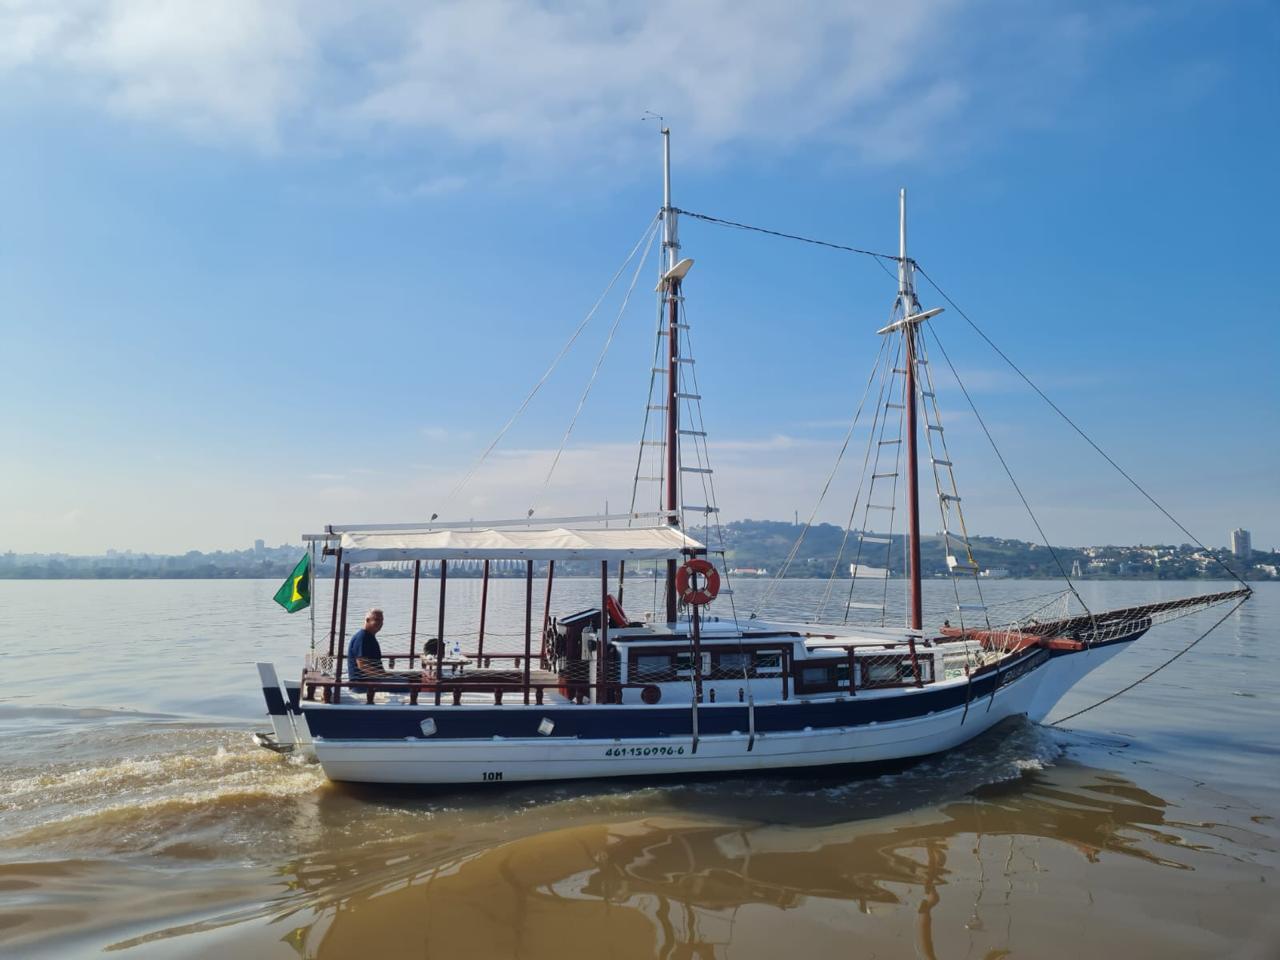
(599, 694)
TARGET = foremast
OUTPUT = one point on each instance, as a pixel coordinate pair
(908, 320)
(910, 308)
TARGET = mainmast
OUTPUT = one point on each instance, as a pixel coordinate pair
(910, 312)
(671, 245)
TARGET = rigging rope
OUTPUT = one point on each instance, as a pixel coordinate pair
(879, 258)
(785, 236)
(595, 371)
(644, 427)
(857, 498)
(1008, 472)
(795, 549)
(1071, 423)
(554, 363)
(1152, 673)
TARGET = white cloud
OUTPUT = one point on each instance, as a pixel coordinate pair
(530, 80)
(233, 68)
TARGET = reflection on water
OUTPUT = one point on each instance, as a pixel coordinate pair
(136, 816)
(949, 881)
(995, 848)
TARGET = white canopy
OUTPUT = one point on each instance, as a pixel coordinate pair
(653, 543)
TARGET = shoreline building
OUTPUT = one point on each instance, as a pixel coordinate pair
(1241, 544)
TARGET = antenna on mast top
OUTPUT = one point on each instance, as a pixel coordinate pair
(669, 241)
(669, 215)
(906, 269)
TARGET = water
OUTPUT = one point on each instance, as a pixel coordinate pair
(136, 816)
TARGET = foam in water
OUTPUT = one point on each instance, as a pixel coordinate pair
(139, 802)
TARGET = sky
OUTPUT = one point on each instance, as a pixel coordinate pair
(267, 266)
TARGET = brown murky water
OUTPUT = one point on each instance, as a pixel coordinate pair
(136, 817)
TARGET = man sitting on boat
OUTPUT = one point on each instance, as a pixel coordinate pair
(364, 655)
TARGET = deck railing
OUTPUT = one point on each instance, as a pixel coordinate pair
(837, 669)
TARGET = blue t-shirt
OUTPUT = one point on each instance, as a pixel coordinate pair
(364, 646)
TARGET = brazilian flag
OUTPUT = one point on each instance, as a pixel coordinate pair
(295, 593)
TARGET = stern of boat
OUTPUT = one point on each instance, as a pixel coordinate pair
(289, 732)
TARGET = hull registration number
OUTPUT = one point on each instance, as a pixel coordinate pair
(644, 752)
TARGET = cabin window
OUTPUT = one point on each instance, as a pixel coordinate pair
(887, 672)
(813, 676)
(822, 677)
(652, 668)
(732, 664)
(770, 662)
(684, 663)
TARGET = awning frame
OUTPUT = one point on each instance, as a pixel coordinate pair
(561, 543)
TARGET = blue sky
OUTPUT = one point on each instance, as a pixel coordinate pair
(268, 266)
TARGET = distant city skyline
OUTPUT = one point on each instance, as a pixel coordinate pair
(752, 548)
(266, 268)
(1238, 546)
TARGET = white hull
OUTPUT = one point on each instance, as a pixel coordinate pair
(541, 759)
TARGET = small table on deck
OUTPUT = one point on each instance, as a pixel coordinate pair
(456, 664)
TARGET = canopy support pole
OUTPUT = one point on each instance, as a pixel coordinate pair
(546, 611)
(602, 650)
(696, 631)
(311, 596)
(622, 576)
(695, 625)
(342, 636)
(444, 576)
(413, 617)
(484, 608)
(333, 619)
(528, 624)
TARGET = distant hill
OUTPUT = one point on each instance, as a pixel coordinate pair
(766, 544)
(750, 544)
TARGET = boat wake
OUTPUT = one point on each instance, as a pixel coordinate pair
(190, 793)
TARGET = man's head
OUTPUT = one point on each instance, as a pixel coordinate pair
(373, 621)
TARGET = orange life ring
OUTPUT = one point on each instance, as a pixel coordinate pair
(685, 584)
(616, 617)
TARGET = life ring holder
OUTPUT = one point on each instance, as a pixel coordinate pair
(686, 586)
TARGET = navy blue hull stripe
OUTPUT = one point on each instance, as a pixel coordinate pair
(395, 722)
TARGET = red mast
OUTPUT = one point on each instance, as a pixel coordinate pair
(673, 429)
(672, 291)
(910, 317)
(913, 481)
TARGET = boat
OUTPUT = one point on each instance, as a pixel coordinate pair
(692, 687)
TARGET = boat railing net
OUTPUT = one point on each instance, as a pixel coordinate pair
(1110, 624)
(824, 670)
(319, 663)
